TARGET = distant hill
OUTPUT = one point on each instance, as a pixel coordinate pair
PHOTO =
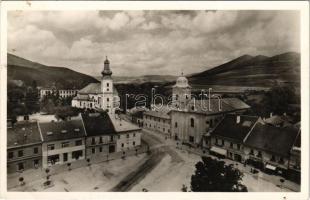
(142, 79)
(20, 69)
(252, 71)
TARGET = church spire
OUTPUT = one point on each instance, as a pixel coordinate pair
(106, 70)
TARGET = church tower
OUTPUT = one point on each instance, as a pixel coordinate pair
(107, 88)
(181, 92)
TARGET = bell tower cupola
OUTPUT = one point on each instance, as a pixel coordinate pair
(106, 69)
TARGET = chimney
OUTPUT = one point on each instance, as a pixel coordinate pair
(238, 119)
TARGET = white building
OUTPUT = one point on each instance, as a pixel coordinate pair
(101, 95)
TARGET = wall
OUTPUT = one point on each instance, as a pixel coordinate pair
(183, 130)
(133, 136)
(60, 151)
(27, 159)
(107, 140)
(162, 125)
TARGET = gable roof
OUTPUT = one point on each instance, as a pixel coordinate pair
(229, 128)
(63, 130)
(23, 133)
(98, 124)
(276, 140)
(215, 105)
(94, 88)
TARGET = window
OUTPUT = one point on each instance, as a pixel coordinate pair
(127, 135)
(20, 153)
(50, 147)
(122, 144)
(223, 142)
(176, 124)
(100, 140)
(134, 135)
(65, 157)
(10, 155)
(273, 158)
(108, 84)
(134, 143)
(36, 163)
(35, 150)
(231, 145)
(111, 138)
(191, 138)
(192, 122)
(78, 142)
(65, 144)
(119, 136)
(93, 150)
(77, 154)
(100, 149)
(251, 152)
(108, 99)
(176, 97)
(238, 146)
(211, 123)
(20, 166)
(93, 141)
(216, 141)
(193, 108)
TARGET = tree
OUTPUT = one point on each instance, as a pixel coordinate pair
(212, 175)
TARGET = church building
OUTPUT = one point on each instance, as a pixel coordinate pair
(101, 95)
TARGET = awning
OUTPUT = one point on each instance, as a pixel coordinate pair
(271, 167)
(219, 150)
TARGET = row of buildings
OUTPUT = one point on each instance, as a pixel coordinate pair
(36, 144)
(220, 126)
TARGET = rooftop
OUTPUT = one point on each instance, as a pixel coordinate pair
(216, 105)
(122, 125)
(63, 130)
(98, 124)
(229, 128)
(23, 133)
(277, 140)
(94, 88)
(160, 111)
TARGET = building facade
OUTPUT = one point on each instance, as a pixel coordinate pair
(158, 119)
(24, 148)
(63, 93)
(100, 135)
(63, 142)
(101, 95)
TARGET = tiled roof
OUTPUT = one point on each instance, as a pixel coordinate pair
(214, 105)
(23, 133)
(159, 111)
(94, 88)
(122, 125)
(229, 128)
(98, 124)
(53, 131)
(277, 140)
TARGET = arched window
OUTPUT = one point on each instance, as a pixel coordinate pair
(192, 122)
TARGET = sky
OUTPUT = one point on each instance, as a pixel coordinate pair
(149, 42)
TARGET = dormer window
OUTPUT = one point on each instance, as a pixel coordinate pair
(77, 130)
(49, 133)
(63, 131)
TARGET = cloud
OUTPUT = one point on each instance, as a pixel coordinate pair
(149, 42)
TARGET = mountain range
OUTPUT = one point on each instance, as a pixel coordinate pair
(253, 71)
(27, 71)
(244, 71)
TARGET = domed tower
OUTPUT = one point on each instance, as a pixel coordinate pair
(181, 92)
(107, 87)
